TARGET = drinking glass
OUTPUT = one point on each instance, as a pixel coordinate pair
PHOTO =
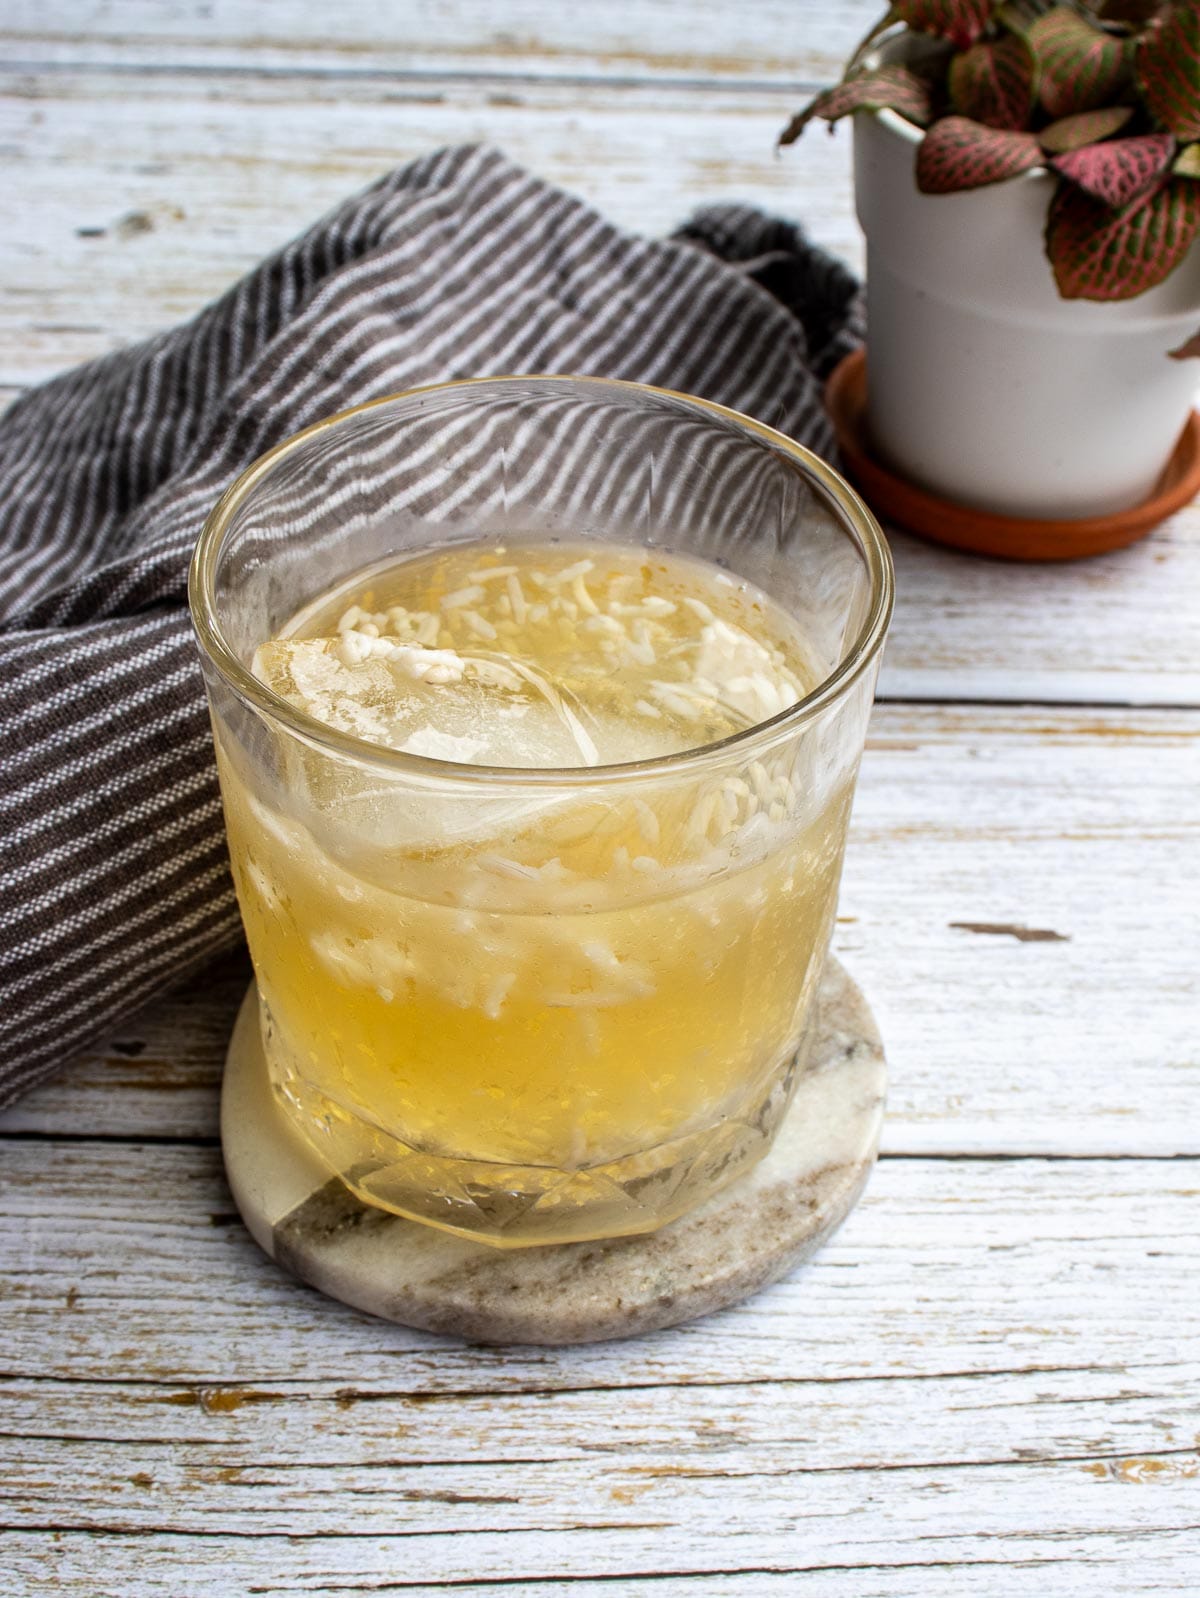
(532, 1005)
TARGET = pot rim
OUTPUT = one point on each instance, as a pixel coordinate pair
(898, 46)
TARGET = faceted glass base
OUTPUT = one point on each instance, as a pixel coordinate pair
(515, 1206)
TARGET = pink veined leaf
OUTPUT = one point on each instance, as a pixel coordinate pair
(1086, 127)
(1080, 66)
(892, 88)
(1189, 350)
(1101, 254)
(1187, 162)
(1168, 70)
(960, 21)
(1119, 171)
(957, 153)
(993, 82)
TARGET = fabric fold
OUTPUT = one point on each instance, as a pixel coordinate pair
(113, 879)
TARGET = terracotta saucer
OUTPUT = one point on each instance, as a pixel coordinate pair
(985, 532)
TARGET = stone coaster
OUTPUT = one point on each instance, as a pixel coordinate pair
(749, 1235)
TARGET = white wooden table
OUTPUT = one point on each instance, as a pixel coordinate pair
(990, 1382)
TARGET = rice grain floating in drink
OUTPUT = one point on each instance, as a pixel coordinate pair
(535, 1015)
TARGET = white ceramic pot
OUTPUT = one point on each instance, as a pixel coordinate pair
(983, 384)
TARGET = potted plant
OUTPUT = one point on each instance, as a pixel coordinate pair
(1027, 175)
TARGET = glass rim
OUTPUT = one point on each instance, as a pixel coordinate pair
(857, 519)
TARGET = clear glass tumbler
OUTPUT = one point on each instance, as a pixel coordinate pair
(533, 1005)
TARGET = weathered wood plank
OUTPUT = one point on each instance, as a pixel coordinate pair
(987, 1386)
(1011, 874)
(158, 1077)
(782, 40)
(1006, 1517)
(1032, 1405)
(127, 1261)
(1064, 1023)
(131, 223)
(1115, 630)
(208, 1451)
(1135, 1563)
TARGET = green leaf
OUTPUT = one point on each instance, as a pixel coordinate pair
(957, 153)
(1187, 162)
(1168, 70)
(960, 21)
(1119, 171)
(993, 82)
(1101, 254)
(1081, 67)
(891, 88)
(1086, 127)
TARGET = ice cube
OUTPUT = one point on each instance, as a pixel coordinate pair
(477, 709)
(468, 708)
(313, 675)
(436, 745)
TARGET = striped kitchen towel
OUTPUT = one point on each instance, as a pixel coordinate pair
(113, 875)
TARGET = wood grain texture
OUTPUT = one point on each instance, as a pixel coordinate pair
(1081, 824)
(987, 1386)
(1120, 629)
(786, 41)
(131, 222)
(1031, 1392)
(114, 1566)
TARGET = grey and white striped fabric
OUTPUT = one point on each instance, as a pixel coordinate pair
(113, 876)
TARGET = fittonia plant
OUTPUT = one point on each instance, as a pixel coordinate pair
(1103, 93)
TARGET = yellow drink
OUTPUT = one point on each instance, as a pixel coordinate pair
(536, 1012)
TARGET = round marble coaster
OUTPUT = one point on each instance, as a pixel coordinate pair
(747, 1236)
